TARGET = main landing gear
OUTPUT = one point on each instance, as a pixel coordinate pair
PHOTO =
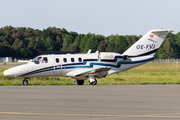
(93, 82)
(80, 82)
(25, 82)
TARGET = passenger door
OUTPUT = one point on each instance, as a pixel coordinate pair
(57, 65)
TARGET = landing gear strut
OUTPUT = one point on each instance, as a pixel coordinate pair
(25, 82)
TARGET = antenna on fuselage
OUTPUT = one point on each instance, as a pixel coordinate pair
(89, 51)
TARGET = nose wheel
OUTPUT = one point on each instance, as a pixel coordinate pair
(25, 82)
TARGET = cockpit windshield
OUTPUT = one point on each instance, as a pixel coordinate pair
(37, 60)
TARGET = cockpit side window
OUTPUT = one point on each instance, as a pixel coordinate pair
(44, 60)
(37, 60)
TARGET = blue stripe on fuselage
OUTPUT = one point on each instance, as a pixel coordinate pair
(103, 64)
(74, 67)
(74, 64)
(89, 60)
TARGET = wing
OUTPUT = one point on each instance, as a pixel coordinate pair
(97, 72)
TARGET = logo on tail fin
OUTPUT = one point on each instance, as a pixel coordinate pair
(151, 36)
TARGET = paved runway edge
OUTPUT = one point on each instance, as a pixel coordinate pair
(93, 115)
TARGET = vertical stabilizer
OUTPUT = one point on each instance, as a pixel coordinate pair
(148, 44)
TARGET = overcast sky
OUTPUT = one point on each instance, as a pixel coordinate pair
(105, 17)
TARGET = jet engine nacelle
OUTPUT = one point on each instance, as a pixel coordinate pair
(111, 57)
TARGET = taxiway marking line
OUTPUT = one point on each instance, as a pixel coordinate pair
(92, 115)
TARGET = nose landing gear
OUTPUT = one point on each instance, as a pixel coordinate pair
(25, 82)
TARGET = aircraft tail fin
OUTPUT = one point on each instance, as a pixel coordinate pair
(148, 44)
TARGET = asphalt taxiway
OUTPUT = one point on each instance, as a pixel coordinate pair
(106, 102)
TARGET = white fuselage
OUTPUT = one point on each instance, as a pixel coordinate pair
(68, 65)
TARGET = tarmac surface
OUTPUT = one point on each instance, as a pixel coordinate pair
(106, 102)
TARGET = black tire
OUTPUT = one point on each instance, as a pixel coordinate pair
(25, 82)
(80, 82)
(94, 82)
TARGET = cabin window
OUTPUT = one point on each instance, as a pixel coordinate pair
(72, 59)
(64, 59)
(80, 59)
(57, 60)
(44, 60)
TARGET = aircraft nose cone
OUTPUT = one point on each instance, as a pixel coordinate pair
(8, 73)
(5, 72)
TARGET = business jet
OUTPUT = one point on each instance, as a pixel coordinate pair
(91, 65)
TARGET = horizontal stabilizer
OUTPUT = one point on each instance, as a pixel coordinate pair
(162, 30)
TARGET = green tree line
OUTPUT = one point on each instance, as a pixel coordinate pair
(23, 42)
